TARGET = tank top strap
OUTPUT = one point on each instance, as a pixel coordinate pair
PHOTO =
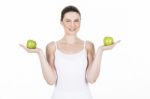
(56, 44)
(84, 44)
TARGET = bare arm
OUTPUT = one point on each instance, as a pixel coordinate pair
(47, 70)
(94, 65)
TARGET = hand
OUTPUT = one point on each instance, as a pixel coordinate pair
(37, 50)
(109, 47)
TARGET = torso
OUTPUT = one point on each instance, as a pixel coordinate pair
(71, 71)
(70, 62)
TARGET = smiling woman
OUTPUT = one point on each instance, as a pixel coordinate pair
(70, 63)
(70, 20)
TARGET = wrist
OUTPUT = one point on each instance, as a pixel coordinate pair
(100, 49)
(40, 52)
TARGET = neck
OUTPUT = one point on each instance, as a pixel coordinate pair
(70, 39)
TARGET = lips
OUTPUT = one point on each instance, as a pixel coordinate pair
(72, 30)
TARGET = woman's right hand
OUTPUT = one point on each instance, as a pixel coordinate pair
(37, 50)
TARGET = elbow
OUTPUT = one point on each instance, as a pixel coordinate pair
(91, 81)
(51, 82)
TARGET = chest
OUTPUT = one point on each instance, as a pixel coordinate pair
(69, 48)
(72, 63)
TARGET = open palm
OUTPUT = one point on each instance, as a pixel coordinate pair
(30, 50)
(109, 47)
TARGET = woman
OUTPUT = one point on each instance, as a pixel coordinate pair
(70, 63)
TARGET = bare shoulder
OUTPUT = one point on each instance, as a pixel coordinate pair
(89, 46)
(90, 51)
(50, 48)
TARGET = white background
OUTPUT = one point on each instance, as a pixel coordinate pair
(125, 69)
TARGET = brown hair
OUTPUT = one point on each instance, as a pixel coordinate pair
(67, 9)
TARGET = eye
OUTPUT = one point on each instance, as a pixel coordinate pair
(67, 20)
(76, 21)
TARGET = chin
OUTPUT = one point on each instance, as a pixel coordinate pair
(72, 32)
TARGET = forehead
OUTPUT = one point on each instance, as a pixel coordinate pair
(71, 15)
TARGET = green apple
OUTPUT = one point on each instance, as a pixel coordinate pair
(108, 41)
(31, 44)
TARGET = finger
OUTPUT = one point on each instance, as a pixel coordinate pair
(21, 45)
(118, 41)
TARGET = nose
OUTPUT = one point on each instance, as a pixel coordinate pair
(72, 24)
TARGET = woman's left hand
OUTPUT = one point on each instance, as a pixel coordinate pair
(103, 48)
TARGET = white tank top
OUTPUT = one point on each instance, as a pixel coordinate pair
(71, 75)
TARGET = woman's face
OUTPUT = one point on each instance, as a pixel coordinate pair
(71, 23)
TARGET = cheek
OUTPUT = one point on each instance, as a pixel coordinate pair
(78, 24)
(65, 25)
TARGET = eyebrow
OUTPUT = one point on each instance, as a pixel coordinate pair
(67, 19)
(75, 19)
